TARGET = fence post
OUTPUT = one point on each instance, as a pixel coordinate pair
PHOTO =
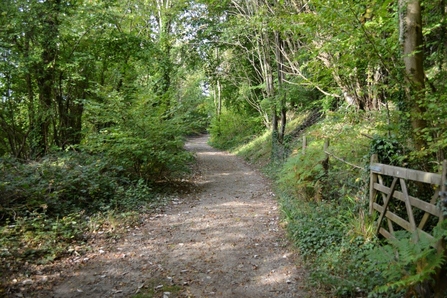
(326, 159)
(304, 145)
(372, 180)
(443, 186)
(441, 287)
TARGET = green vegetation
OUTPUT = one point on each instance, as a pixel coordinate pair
(374, 70)
(97, 97)
(231, 129)
(417, 262)
(325, 209)
(95, 105)
(38, 238)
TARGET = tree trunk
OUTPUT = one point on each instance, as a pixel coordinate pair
(410, 23)
(280, 65)
(46, 70)
(268, 78)
(218, 100)
(30, 96)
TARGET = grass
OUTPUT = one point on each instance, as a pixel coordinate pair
(258, 151)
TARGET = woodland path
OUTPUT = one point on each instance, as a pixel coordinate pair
(225, 240)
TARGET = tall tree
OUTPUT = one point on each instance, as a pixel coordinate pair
(410, 24)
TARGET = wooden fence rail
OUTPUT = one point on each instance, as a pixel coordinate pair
(401, 176)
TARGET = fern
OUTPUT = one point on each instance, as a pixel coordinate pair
(301, 175)
(407, 264)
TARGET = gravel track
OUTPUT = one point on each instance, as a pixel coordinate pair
(224, 240)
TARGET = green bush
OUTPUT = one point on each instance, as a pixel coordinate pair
(136, 137)
(233, 129)
(68, 182)
(59, 183)
(128, 147)
(52, 204)
(134, 197)
(388, 150)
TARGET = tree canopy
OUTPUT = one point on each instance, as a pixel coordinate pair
(128, 80)
(64, 63)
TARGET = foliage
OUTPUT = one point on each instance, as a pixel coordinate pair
(58, 183)
(51, 206)
(133, 197)
(233, 129)
(36, 237)
(258, 150)
(39, 238)
(333, 54)
(122, 83)
(334, 233)
(58, 57)
(337, 259)
(408, 264)
(302, 175)
(63, 183)
(309, 177)
(388, 150)
(135, 138)
(350, 55)
(96, 98)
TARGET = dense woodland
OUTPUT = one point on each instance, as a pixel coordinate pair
(97, 98)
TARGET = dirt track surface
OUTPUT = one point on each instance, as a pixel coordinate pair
(223, 241)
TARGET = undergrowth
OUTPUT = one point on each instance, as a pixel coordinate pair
(54, 207)
(66, 183)
(37, 238)
(337, 259)
(325, 208)
(411, 266)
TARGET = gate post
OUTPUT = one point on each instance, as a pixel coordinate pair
(372, 180)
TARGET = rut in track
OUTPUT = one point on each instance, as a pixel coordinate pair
(223, 241)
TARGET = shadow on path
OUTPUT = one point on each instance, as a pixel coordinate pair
(222, 242)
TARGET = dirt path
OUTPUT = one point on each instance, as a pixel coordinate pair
(224, 241)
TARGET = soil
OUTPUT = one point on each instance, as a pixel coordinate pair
(223, 240)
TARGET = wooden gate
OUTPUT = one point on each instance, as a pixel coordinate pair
(381, 192)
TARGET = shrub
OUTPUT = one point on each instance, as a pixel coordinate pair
(233, 129)
(136, 136)
(388, 150)
(59, 183)
(68, 182)
(134, 197)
